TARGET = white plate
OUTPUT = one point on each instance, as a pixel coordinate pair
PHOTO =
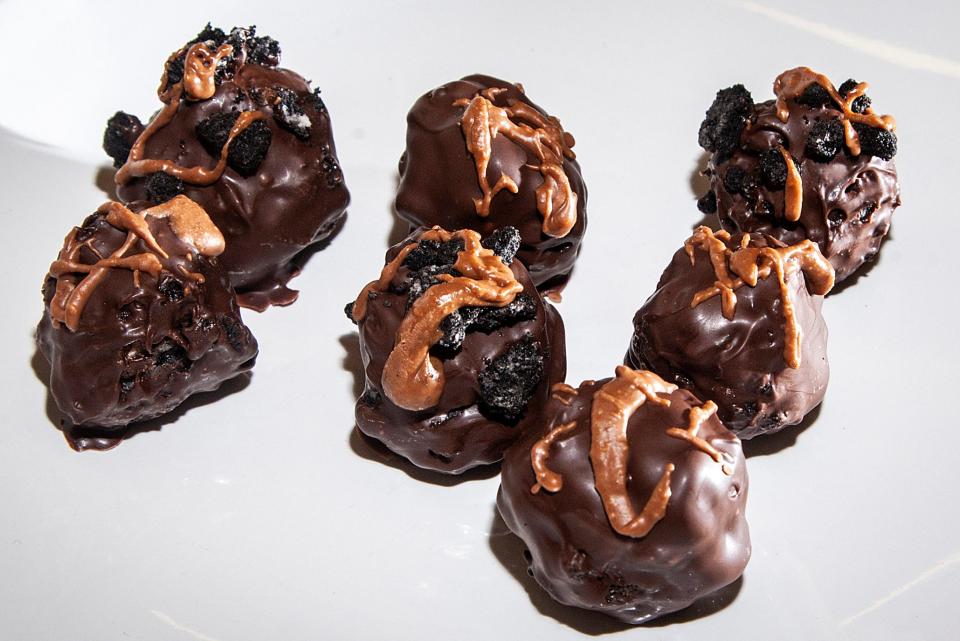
(258, 516)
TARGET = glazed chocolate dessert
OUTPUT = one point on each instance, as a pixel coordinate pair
(248, 141)
(458, 347)
(139, 316)
(630, 496)
(816, 163)
(480, 155)
(736, 319)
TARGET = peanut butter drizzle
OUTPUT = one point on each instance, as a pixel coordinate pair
(791, 83)
(547, 478)
(198, 83)
(482, 121)
(696, 417)
(563, 392)
(793, 190)
(613, 405)
(750, 264)
(188, 221)
(413, 379)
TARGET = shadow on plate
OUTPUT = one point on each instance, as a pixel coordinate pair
(766, 445)
(82, 439)
(103, 179)
(509, 550)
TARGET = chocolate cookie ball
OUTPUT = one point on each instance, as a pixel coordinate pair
(630, 497)
(816, 163)
(481, 155)
(459, 349)
(736, 319)
(251, 143)
(138, 316)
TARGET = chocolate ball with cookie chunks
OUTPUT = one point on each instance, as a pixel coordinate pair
(481, 155)
(815, 163)
(251, 143)
(138, 316)
(736, 320)
(459, 350)
(630, 497)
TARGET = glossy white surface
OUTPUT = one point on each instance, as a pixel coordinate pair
(259, 517)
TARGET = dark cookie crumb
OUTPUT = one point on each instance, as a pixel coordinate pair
(724, 121)
(289, 114)
(734, 180)
(824, 140)
(234, 331)
(773, 169)
(509, 381)
(875, 141)
(707, 203)
(815, 95)
(247, 150)
(161, 187)
(348, 310)
(122, 131)
(331, 169)
(504, 242)
(835, 218)
(861, 104)
(371, 397)
(170, 354)
(867, 212)
(433, 253)
(483, 319)
(171, 288)
(318, 103)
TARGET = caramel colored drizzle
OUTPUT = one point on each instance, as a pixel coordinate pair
(547, 478)
(793, 190)
(563, 393)
(750, 264)
(695, 420)
(613, 405)
(413, 379)
(483, 121)
(189, 223)
(791, 83)
(198, 83)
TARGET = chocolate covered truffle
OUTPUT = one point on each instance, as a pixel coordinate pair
(481, 155)
(815, 163)
(138, 316)
(250, 143)
(459, 350)
(630, 497)
(736, 320)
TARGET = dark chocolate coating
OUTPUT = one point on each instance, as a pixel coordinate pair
(141, 351)
(701, 545)
(457, 434)
(848, 202)
(295, 198)
(438, 180)
(739, 363)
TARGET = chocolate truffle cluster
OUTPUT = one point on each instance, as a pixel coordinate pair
(220, 193)
(630, 496)
(459, 349)
(736, 319)
(251, 143)
(139, 314)
(481, 155)
(815, 163)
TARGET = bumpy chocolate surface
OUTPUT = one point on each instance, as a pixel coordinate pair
(741, 362)
(848, 198)
(439, 177)
(700, 544)
(126, 345)
(497, 363)
(281, 189)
